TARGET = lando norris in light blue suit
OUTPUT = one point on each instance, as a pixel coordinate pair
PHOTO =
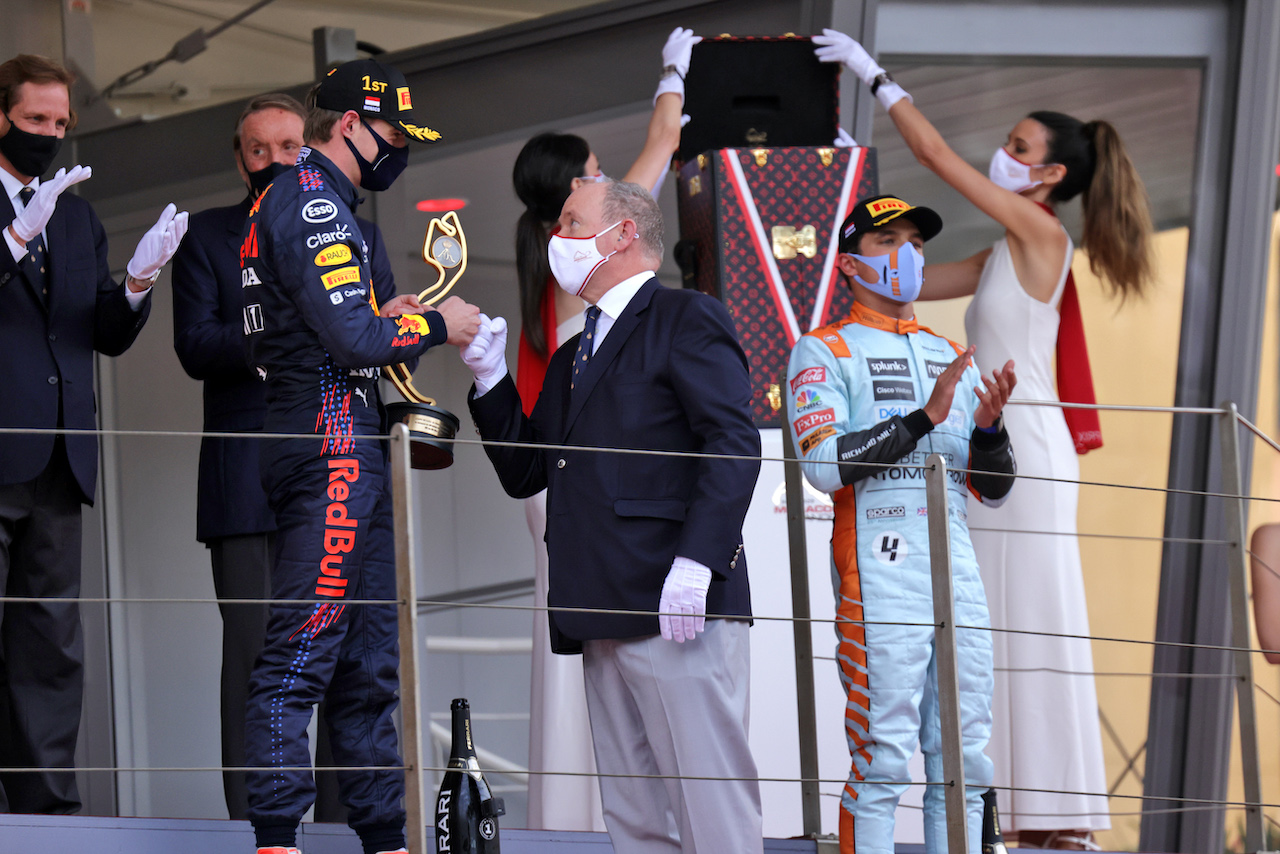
(874, 389)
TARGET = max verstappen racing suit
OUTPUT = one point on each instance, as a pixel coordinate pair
(854, 395)
(312, 331)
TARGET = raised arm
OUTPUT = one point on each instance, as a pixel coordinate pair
(663, 137)
(954, 278)
(1021, 216)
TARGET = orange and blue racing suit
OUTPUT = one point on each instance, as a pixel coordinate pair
(318, 342)
(855, 392)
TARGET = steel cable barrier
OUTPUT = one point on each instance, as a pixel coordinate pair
(421, 733)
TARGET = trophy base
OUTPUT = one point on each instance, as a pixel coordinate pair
(428, 425)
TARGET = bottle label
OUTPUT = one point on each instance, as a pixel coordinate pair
(443, 843)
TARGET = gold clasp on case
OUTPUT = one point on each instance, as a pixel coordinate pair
(703, 160)
(695, 185)
(826, 155)
(789, 242)
(774, 396)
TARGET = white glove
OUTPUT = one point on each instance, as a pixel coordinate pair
(158, 245)
(32, 219)
(843, 140)
(684, 597)
(679, 50)
(676, 55)
(835, 46)
(486, 355)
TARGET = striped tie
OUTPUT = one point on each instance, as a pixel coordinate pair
(585, 344)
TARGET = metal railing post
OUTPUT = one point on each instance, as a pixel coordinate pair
(1238, 573)
(944, 640)
(802, 631)
(407, 622)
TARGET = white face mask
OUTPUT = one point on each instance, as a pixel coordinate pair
(597, 178)
(575, 259)
(1012, 174)
(901, 273)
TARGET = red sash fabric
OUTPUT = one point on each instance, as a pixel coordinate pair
(1075, 379)
(531, 369)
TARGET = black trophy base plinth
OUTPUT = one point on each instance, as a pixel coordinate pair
(430, 431)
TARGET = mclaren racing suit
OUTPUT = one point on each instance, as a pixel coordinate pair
(313, 333)
(854, 395)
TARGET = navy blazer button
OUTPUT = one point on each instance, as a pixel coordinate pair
(560, 463)
(53, 380)
(53, 336)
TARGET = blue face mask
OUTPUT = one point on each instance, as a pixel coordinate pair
(901, 273)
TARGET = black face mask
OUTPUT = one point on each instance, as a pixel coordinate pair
(260, 179)
(30, 153)
(386, 167)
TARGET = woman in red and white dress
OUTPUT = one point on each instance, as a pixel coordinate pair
(1045, 732)
(547, 170)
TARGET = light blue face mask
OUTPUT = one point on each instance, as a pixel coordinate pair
(901, 273)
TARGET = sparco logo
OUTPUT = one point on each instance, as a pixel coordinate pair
(319, 210)
(886, 513)
(888, 368)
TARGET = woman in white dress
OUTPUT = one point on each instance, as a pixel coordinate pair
(1045, 733)
(547, 170)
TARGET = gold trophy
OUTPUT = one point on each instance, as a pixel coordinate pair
(431, 427)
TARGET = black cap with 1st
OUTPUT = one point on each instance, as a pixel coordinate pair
(375, 91)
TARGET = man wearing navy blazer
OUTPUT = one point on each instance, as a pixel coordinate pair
(232, 516)
(58, 305)
(654, 369)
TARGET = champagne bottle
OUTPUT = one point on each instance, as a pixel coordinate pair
(992, 838)
(466, 810)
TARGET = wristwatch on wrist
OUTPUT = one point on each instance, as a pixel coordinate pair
(996, 426)
(670, 71)
(879, 80)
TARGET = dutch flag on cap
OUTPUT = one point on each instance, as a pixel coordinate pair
(373, 104)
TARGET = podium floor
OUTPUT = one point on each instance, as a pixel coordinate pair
(21, 834)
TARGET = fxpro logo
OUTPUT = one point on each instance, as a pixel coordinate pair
(317, 211)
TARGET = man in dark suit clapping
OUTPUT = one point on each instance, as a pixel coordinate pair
(58, 305)
(659, 370)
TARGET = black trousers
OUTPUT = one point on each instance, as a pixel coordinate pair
(41, 644)
(242, 570)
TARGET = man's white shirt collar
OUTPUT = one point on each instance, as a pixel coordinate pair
(615, 302)
(12, 186)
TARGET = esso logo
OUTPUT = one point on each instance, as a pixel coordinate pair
(319, 210)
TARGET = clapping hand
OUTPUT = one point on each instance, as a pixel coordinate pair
(158, 245)
(31, 220)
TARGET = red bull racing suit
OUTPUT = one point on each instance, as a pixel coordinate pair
(854, 395)
(314, 335)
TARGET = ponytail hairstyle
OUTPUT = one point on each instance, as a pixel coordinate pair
(543, 178)
(1117, 221)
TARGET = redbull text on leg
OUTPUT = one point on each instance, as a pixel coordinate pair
(340, 529)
